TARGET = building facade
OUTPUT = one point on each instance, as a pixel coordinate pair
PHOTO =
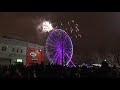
(13, 51)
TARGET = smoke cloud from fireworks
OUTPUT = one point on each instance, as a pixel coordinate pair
(45, 26)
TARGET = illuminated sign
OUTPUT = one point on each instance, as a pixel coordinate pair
(19, 60)
(33, 56)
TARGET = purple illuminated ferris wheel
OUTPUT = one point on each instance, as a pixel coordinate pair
(59, 48)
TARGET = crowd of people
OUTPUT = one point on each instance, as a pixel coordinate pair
(58, 71)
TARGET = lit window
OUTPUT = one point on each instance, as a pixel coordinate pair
(19, 60)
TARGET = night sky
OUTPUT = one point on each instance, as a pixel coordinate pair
(98, 29)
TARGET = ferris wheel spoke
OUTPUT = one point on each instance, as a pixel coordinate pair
(57, 57)
(51, 44)
(63, 39)
(57, 42)
(51, 41)
(68, 50)
(67, 55)
(65, 42)
(52, 48)
(66, 47)
(55, 36)
(52, 52)
(54, 57)
(57, 39)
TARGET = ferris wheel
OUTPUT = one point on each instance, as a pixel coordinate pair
(59, 48)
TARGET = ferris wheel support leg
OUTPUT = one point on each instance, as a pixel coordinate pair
(71, 62)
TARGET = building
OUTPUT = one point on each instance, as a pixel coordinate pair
(13, 50)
